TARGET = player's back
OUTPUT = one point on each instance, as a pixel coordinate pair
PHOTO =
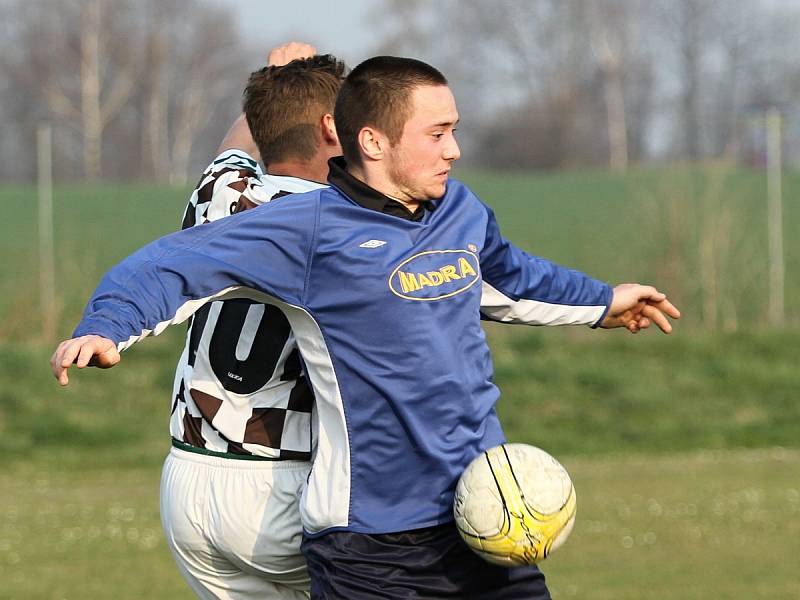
(239, 387)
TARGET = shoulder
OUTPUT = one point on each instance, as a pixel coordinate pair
(292, 202)
(460, 190)
(229, 166)
(459, 196)
(266, 188)
(276, 186)
(224, 182)
(238, 159)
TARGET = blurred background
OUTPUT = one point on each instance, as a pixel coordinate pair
(541, 84)
(647, 140)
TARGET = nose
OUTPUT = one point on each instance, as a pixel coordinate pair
(451, 150)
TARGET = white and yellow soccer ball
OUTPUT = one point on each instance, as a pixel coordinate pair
(514, 505)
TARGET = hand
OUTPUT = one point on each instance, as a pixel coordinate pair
(88, 350)
(636, 307)
(285, 54)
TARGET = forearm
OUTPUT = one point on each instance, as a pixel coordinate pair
(161, 284)
(239, 137)
(169, 279)
(521, 288)
(547, 295)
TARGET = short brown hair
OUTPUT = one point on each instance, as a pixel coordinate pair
(283, 105)
(376, 93)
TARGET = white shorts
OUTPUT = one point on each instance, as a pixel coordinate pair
(234, 527)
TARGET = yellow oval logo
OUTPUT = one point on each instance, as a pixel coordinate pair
(435, 274)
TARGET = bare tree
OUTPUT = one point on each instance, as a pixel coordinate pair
(691, 30)
(107, 65)
(85, 84)
(155, 136)
(131, 88)
(544, 71)
(610, 22)
(205, 66)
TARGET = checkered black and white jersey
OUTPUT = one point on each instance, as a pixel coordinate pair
(239, 386)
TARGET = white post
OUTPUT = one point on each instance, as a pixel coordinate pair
(775, 218)
(47, 291)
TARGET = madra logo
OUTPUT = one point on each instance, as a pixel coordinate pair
(435, 274)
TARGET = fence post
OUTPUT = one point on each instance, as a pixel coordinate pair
(44, 143)
(775, 218)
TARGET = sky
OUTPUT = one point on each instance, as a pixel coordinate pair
(339, 28)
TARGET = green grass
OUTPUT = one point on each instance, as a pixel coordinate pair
(658, 518)
(572, 392)
(103, 418)
(721, 525)
(700, 234)
(606, 391)
(95, 227)
(83, 533)
(685, 449)
(683, 526)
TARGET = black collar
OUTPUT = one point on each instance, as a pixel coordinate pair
(369, 197)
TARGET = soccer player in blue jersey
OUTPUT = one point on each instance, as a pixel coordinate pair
(383, 277)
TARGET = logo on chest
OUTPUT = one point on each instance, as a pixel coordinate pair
(435, 274)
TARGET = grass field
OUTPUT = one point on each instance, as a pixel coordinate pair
(685, 450)
(685, 526)
(699, 234)
(697, 526)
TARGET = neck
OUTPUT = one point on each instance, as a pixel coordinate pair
(313, 170)
(380, 182)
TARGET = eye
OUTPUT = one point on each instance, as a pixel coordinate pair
(437, 136)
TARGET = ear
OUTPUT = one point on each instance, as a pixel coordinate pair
(328, 130)
(373, 143)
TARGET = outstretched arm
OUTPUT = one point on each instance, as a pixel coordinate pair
(239, 136)
(87, 350)
(168, 280)
(636, 307)
(520, 288)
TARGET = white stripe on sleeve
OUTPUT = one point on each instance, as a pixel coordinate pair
(499, 307)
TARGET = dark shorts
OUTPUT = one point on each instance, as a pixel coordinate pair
(432, 563)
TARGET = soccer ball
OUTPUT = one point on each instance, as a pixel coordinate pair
(514, 505)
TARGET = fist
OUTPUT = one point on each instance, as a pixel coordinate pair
(288, 52)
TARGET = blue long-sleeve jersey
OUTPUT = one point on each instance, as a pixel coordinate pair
(386, 312)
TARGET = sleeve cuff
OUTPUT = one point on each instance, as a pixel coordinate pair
(609, 297)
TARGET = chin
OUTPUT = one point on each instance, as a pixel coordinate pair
(437, 191)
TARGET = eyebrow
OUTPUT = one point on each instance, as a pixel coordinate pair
(446, 124)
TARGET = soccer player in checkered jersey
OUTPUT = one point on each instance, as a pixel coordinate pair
(241, 407)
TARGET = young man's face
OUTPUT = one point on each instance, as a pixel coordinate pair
(418, 165)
